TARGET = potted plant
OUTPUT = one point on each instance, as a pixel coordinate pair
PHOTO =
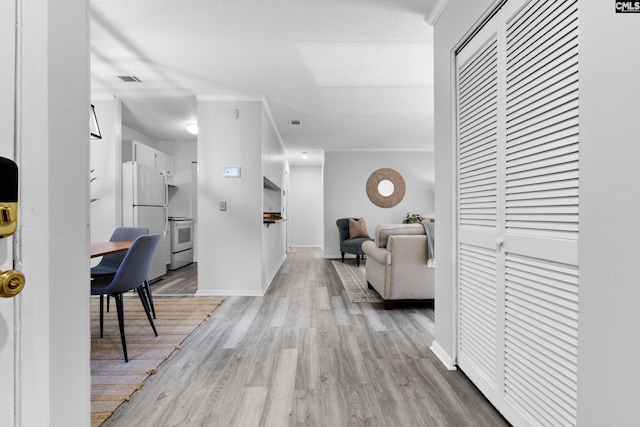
(412, 218)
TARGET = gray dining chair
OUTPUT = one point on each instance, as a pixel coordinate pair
(109, 264)
(131, 274)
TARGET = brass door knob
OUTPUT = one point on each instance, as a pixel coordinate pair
(11, 283)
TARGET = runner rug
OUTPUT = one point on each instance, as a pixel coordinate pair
(113, 380)
(354, 282)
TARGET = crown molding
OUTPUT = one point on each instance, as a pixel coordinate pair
(436, 11)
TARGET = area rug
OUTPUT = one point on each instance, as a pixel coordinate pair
(112, 380)
(354, 282)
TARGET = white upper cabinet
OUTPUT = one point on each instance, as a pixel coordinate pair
(146, 155)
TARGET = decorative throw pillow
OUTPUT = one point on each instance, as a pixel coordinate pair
(357, 228)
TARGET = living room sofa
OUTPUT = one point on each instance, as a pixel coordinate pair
(397, 263)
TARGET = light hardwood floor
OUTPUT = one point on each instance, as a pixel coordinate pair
(304, 355)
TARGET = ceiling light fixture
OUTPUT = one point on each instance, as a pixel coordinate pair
(192, 127)
(304, 155)
(295, 122)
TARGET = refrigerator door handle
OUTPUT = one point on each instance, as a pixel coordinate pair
(166, 208)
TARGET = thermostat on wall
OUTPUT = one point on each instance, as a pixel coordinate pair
(231, 172)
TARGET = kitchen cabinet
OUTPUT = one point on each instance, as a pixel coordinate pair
(164, 162)
(138, 152)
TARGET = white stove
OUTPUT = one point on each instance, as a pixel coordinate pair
(181, 242)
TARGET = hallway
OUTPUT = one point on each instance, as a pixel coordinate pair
(304, 355)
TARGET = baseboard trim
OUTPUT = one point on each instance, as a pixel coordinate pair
(338, 256)
(275, 272)
(443, 356)
(229, 293)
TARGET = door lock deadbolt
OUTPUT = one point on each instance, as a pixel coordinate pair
(11, 283)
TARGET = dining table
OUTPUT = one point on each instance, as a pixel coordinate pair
(106, 248)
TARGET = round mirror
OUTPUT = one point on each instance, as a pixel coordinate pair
(385, 188)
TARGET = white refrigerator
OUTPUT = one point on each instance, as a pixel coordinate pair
(144, 204)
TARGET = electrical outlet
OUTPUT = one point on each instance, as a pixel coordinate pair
(223, 206)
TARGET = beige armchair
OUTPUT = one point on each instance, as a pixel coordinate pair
(397, 263)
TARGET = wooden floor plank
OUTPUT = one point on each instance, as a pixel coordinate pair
(304, 355)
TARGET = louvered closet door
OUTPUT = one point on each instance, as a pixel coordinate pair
(478, 188)
(536, 268)
(541, 211)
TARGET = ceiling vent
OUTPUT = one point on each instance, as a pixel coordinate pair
(129, 78)
(295, 122)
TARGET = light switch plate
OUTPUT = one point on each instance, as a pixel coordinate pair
(223, 206)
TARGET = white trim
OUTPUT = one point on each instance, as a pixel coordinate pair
(339, 255)
(443, 356)
(228, 293)
(436, 11)
(275, 272)
(306, 246)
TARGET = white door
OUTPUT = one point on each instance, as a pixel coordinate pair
(518, 210)
(7, 334)
(478, 210)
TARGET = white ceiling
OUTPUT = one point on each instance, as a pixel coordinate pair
(357, 73)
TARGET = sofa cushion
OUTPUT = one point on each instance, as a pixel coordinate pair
(383, 231)
(354, 246)
(357, 228)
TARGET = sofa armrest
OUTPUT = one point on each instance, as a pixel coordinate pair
(381, 255)
(408, 249)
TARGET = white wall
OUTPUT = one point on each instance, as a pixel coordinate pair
(106, 160)
(609, 344)
(345, 179)
(275, 168)
(130, 133)
(306, 209)
(230, 252)
(609, 241)
(52, 107)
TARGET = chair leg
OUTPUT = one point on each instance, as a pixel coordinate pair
(108, 299)
(150, 297)
(358, 260)
(342, 256)
(145, 304)
(101, 316)
(120, 308)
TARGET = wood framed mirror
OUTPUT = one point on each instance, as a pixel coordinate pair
(385, 188)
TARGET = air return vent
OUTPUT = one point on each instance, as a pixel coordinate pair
(129, 78)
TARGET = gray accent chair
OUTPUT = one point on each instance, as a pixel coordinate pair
(347, 245)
